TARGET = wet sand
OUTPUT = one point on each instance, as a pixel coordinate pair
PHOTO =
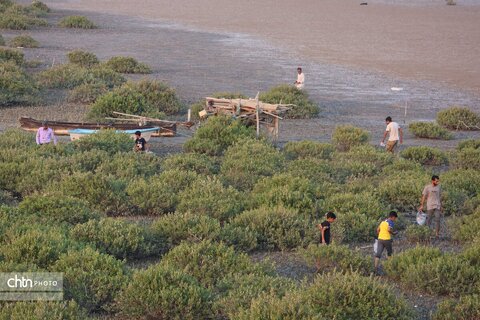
(415, 39)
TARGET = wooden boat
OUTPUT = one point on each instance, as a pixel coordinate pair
(167, 129)
(76, 134)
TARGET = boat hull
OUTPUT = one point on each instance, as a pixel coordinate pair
(62, 128)
(76, 134)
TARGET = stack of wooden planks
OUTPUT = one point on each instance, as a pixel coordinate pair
(252, 111)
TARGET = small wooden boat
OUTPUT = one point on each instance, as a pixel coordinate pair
(76, 134)
(167, 129)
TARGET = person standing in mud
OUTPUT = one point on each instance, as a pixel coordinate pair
(300, 83)
(431, 193)
(395, 135)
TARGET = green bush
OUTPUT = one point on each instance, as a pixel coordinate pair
(470, 143)
(199, 163)
(307, 149)
(397, 266)
(458, 118)
(425, 155)
(119, 238)
(270, 306)
(78, 22)
(6, 198)
(471, 253)
(161, 193)
(127, 65)
(106, 140)
(446, 275)
(400, 164)
(303, 108)
(277, 228)
(8, 216)
(367, 154)
(200, 105)
(87, 161)
(16, 86)
(353, 228)
(466, 228)
(249, 160)
(207, 196)
(6, 266)
(103, 193)
(468, 158)
(164, 293)
(285, 190)
(210, 262)
(87, 93)
(82, 58)
(467, 180)
(454, 201)
(403, 190)
(148, 98)
(429, 130)
(13, 55)
(179, 227)
(24, 41)
(333, 296)
(52, 209)
(319, 172)
(465, 308)
(5, 4)
(216, 135)
(347, 136)
(339, 257)
(241, 239)
(2, 41)
(345, 169)
(418, 234)
(35, 9)
(69, 76)
(130, 165)
(104, 76)
(41, 310)
(157, 94)
(18, 21)
(91, 278)
(237, 292)
(358, 203)
(34, 244)
(39, 7)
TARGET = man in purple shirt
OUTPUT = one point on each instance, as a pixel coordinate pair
(45, 134)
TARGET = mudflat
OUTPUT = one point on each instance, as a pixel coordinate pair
(418, 39)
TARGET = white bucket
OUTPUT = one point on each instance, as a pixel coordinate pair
(421, 218)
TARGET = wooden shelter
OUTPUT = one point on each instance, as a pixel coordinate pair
(251, 111)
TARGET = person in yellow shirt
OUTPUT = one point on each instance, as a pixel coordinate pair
(385, 241)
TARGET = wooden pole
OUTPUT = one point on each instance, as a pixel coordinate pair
(258, 115)
(276, 121)
(189, 115)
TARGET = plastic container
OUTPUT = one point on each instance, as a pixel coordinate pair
(421, 218)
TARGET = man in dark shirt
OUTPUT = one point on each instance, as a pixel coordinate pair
(140, 143)
(325, 227)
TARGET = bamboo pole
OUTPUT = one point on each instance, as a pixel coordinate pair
(258, 115)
